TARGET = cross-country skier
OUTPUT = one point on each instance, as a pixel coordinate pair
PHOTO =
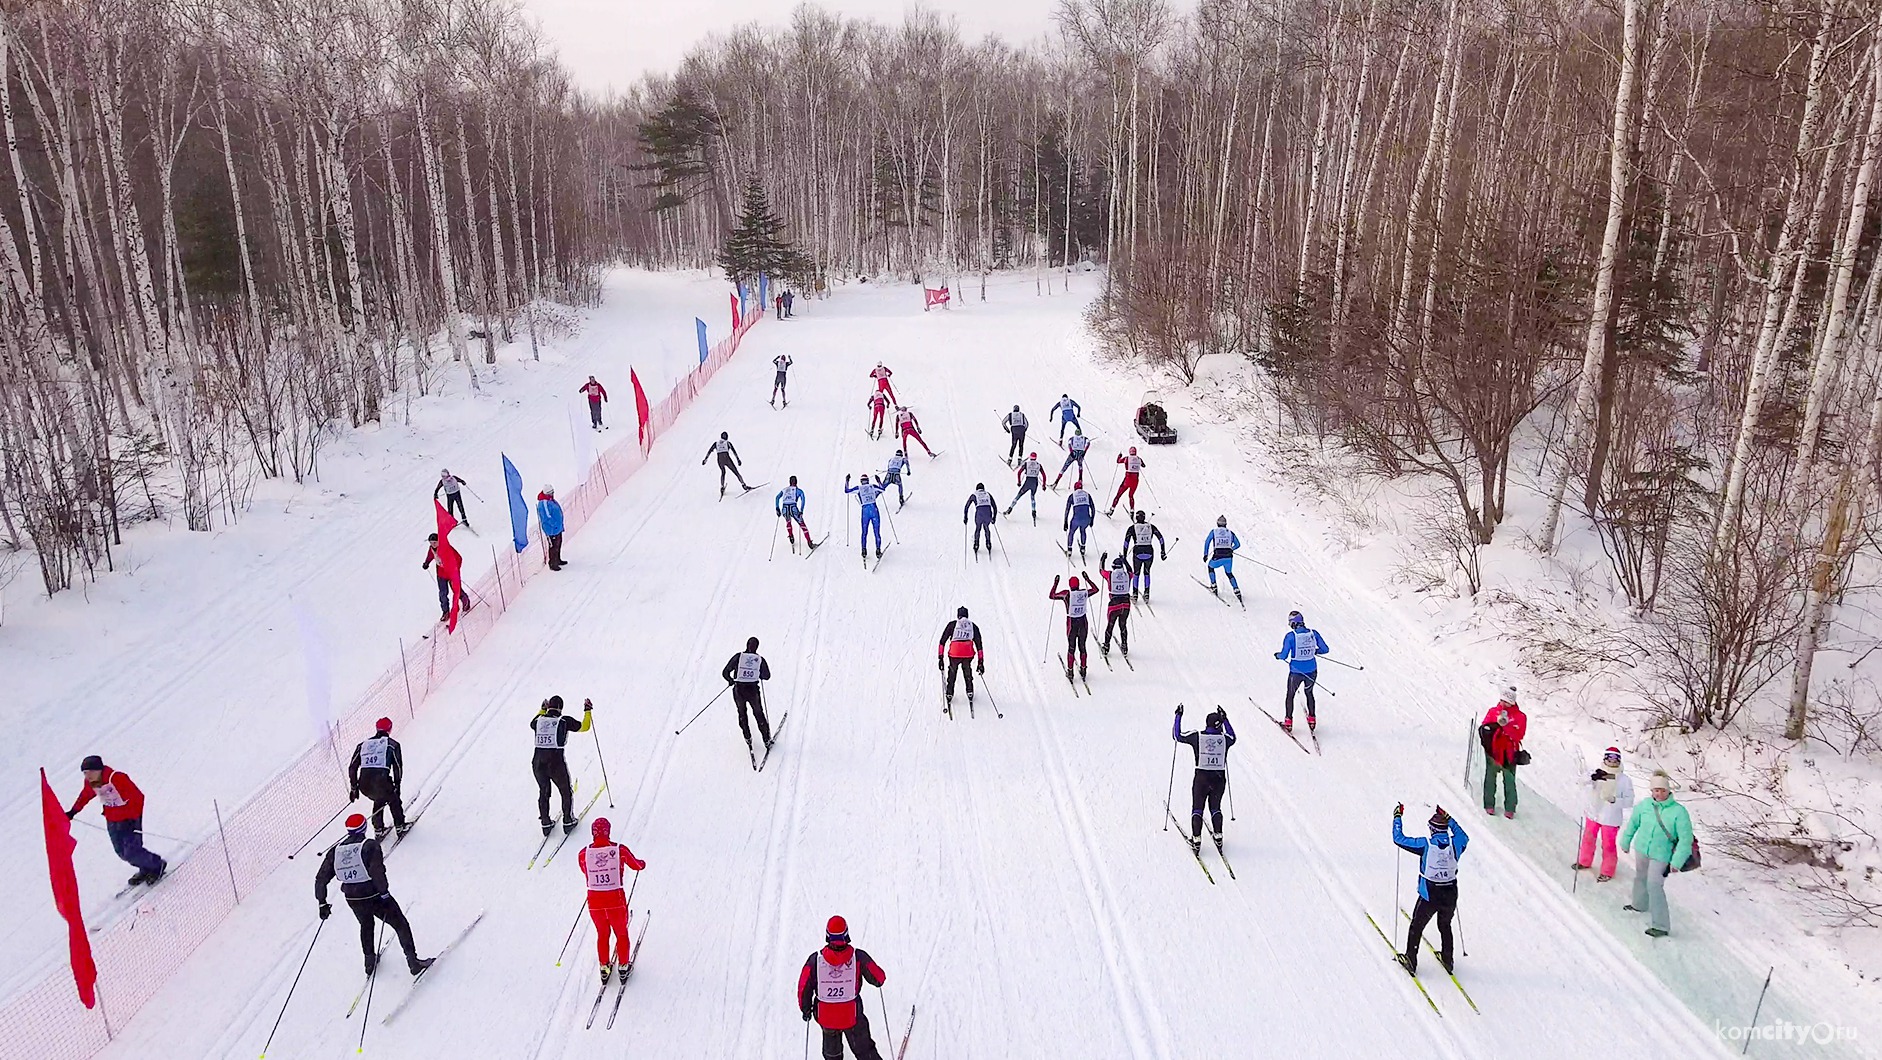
(360, 866)
(1218, 551)
(444, 583)
(960, 644)
(867, 492)
(906, 427)
(1015, 426)
(549, 517)
(601, 862)
(377, 771)
(1077, 598)
(878, 407)
(881, 376)
(1117, 611)
(452, 488)
(1211, 745)
(789, 504)
(729, 460)
(1301, 649)
(124, 817)
(1437, 881)
(743, 671)
(782, 362)
(830, 990)
(1067, 410)
(596, 394)
(549, 763)
(1074, 454)
(898, 466)
(1029, 474)
(1133, 464)
(984, 507)
(1080, 513)
(1139, 538)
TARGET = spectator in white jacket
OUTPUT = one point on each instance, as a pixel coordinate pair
(1610, 796)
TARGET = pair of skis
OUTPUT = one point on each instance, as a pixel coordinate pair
(1289, 733)
(1219, 598)
(1067, 667)
(420, 977)
(1398, 958)
(747, 489)
(620, 983)
(757, 763)
(566, 832)
(879, 553)
(1195, 849)
(1105, 654)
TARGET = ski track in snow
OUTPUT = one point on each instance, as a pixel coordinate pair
(1019, 885)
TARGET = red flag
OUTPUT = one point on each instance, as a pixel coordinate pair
(59, 847)
(640, 406)
(450, 564)
(734, 297)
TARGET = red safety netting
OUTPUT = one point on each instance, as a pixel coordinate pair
(139, 952)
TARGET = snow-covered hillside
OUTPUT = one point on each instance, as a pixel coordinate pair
(1012, 875)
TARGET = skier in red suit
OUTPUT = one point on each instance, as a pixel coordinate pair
(878, 407)
(596, 394)
(830, 989)
(906, 428)
(881, 376)
(601, 864)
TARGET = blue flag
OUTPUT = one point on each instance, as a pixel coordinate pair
(519, 512)
(764, 291)
(701, 326)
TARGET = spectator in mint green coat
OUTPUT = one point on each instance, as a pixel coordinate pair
(1663, 830)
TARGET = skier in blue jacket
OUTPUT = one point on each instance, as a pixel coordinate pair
(983, 508)
(1218, 550)
(1437, 881)
(1080, 510)
(867, 492)
(892, 476)
(1301, 648)
(789, 504)
(549, 517)
(1067, 410)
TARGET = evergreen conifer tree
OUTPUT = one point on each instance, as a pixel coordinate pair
(758, 245)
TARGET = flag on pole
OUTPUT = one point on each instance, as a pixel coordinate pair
(734, 298)
(59, 847)
(641, 411)
(519, 512)
(704, 349)
(317, 674)
(450, 564)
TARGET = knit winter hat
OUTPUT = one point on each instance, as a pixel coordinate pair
(600, 828)
(1660, 780)
(382, 725)
(837, 931)
(1509, 695)
(1440, 821)
(356, 822)
(91, 762)
(1612, 754)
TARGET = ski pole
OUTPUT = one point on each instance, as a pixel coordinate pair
(1047, 654)
(774, 541)
(160, 835)
(322, 828)
(807, 1039)
(588, 706)
(887, 1027)
(1342, 662)
(571, 935)
(1258, 563)
(318, 925)
(891, 518)
(1318, 687)
(1228, 783)
(1170, 788)
(372, 979)
(702, 710)
(1002, 541)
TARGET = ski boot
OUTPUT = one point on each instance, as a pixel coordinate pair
(418, 966)
(372, 963)
(1408, 963)
(1068, 672)
(402, 829)
(1195, 844)
(379, 834)
(1217, 838)
(607, 973)
(547, 827)
(1238, 598)
(152, 877)
(1108, 511)
(1082, 663)
(1449, 967)
(1311, 723)
(136, 878)
(721, 491)
(878, 553)
(947, 704)
(568, 824)
(1287, 725)
(1213, 592)
(1007, 510)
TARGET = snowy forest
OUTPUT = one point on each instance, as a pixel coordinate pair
(1636, 237)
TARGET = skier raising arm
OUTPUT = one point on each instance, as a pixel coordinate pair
(782, 362)
(1211, 746)
(1133, 464)
(550, 730)
(1437, 881)
(1077, 599)
(1117, 612)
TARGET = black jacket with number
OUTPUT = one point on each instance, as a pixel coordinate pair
(395, 762)
(375, 861)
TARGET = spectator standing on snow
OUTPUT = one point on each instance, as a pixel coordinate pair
(777, 303)
(549, 517)
(444, 583)
(452, 488)
(830, 990)
(596, 394)
(1663, 831)
(376, 771)
(1610, 794)
(124, 817)
(1501, 735)
(789, 300)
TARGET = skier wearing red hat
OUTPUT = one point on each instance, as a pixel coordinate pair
(1077, 598)
(1132, 465)
(376, 771)
(601, 862)
(830, 990)
(361, 868)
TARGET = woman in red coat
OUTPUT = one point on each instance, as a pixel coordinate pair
(1502, 735)
(830, 988)
(601, 863)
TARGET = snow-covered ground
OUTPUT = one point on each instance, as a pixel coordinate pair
(1011, 875)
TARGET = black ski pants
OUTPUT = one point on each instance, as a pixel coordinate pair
(1443, 905)
(1207, 788)
(1140, 569)
(725, 464)
(552, 767)
(376, 784)
(1118, 619)
(862, 1046)
(1299, 680)
(1019, 443)
(1077, 640)
(964, 667)
(383, 907)
(747, 696)
(983, 529)
(454, 504)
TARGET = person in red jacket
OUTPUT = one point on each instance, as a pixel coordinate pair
(124, 817)
(881, 376)
(830, 989)
(601, 863)
(960, 642)
(596, 394)
(1502, 734)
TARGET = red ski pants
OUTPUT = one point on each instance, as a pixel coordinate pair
(1129, 485)
(875, 420)
(908, 434)
(610, 918)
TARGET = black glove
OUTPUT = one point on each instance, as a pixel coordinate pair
(1166, 555)
(1599, 774)
(980, 667)
(588, 705)
(1179, 710)
(939, 663)
(325, 910)
(1399, 810)
(352, 795)
(807, 1015)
